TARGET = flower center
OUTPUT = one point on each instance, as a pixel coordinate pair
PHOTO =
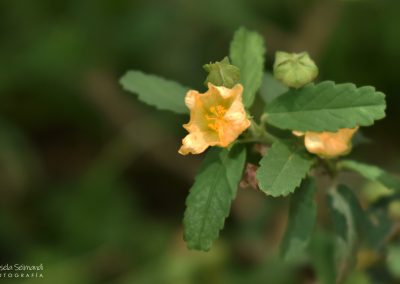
(215, 117)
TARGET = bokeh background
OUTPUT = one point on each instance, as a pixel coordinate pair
(91, 184)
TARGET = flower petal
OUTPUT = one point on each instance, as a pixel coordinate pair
(298, 133)
(190, 99)
(193, 143)
(227, 93)
(329, 144)
(217, 118)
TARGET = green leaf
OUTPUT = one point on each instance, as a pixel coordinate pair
(326, 107)
(361, 219)
(247, 51)
(322, 251)
(358, 277)
(342, 215)
(156, 91)
(209, 200)
(393, 260)
(345, 226)
(282, 168)
(302, 217)
(371, 173)
(380, 229)
(271, 88)
(222, 73)
(369, 232)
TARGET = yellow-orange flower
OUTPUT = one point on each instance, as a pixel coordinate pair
(328, 144)
(217, 118)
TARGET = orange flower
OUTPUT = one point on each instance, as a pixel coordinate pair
(217, 118)
(328, 144)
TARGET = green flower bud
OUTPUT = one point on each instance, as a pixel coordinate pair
(222, 73)
(294, 69)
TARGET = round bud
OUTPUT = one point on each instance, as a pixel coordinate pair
(294, 69)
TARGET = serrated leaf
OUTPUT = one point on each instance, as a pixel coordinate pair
(247, 52)
(156, 91)
(345, 226)
(302, 218)
(282, 168)
(209, 200)
(326, 107)
(372, 173)
(271, 88)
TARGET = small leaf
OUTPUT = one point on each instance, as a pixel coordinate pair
(302, 217)
(372, 233)
(209, 200)
(156, 91)
(271, 88)
(326, 107)
(222, 73)
(345, 226)
(247, 51)
(282, 169)
(371, 173)
(342, 214)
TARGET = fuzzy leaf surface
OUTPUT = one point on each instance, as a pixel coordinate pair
(282, 168)
(247, 51)
(156, 91)
(326, 107)
(210, 197)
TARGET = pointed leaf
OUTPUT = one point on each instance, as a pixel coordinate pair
(156, 91)
(345, 226)
(302, 217)
(372, 173)
(342, 214)
(247, 51)
(209, 200)
(326, 107)
(282, 168)
(372, 231)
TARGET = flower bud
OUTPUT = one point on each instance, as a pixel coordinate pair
(222, 73)
(328, 145)
(294, 69)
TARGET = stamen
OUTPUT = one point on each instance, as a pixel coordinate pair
(216, 116)
(213, 126)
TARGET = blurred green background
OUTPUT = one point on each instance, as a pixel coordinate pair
(90, 180)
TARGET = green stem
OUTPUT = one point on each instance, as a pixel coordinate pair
(331, 167)
(258, 134)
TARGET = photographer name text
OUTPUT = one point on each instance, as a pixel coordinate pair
(21, 271)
